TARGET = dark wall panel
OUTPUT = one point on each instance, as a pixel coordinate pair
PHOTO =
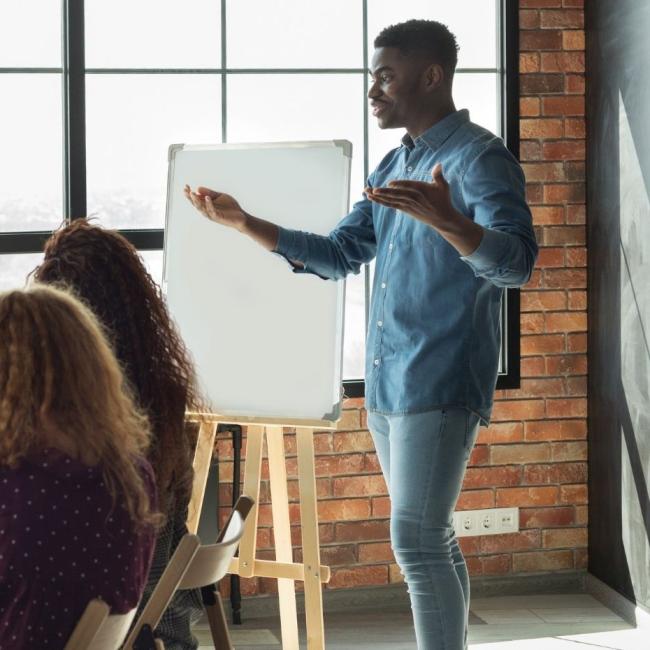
(618, 209)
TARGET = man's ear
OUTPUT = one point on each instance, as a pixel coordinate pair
(434, 77)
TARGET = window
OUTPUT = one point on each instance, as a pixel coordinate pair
(90, 112)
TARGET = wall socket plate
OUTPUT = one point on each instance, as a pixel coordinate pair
(493, 521)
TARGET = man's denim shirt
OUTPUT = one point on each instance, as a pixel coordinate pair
(433, 337)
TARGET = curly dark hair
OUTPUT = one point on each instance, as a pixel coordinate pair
(424, 37)
(104, 270)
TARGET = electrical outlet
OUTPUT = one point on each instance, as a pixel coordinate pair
(492, 521)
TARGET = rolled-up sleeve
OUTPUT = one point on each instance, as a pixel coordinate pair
(493, 190)
(351, 244)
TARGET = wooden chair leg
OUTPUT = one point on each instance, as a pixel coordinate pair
(218, 625)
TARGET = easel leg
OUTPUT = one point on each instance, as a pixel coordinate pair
(282, 535)
(201, 466)
(310, 541)
(252, 475)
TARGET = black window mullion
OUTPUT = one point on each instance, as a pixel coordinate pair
(74, 110)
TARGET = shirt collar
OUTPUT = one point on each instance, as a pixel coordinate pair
(434, 136)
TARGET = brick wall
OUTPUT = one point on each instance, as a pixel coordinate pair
(534, 453)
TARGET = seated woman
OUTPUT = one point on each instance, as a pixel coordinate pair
(77, 497)
(106, 272)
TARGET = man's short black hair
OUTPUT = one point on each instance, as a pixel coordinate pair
(423, 37)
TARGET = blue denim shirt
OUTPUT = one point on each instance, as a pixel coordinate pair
(433, 337)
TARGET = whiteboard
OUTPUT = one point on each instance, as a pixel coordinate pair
(267, 343)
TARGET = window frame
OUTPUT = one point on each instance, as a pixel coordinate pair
(73, 73)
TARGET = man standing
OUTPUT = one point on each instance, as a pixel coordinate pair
(446, 218)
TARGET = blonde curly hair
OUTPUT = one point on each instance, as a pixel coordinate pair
(61, 387)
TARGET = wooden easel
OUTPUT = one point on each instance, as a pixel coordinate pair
(283, 568)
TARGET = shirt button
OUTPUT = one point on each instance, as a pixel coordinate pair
(390, 247)
(380, 323)
(383, 285)
(409, 169)
(376, 362)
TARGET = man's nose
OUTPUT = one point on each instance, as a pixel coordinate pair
(373, 91)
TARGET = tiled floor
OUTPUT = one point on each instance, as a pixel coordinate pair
(550, 622)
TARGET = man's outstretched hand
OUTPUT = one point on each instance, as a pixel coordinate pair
(217, 206)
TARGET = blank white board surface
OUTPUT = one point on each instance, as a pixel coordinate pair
(266, 342)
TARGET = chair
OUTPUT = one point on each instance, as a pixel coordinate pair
(99, 631)
(195, 567)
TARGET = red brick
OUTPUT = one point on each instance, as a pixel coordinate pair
(348, 442)
(470, 545)
(575, 170)
(565, 278)
(543, 39)
(333, 465)
(581, 558)
(475, 565)
(355, 531)
(560, 408)
(561, 18)
(381, 507)
(565, 538)
(479, 456)
(395, 573)
(576, 213)
(529, 19)
(578, 299)
(529, 62)
(543, 171)
(543, 344)
(563, 62)
(564, 105)
(530, 150)
(518, 410)
(501, 432)
(532, 366)
(539, 4)
(350, 421)
(355, 486)
(548, 215)
(534, 193)
(371, 464)
(556, 473)
(574, 84)
(579, 4)
(353, 403)
(492, 565)
(582, 515)
(359, 576)
(536, 277)
(475, 500)
(566, 321)
(556, 430)
(577, 257)
(573, 39)
(541, 84)
(531, 323)
(333, 555)
(539, 387)
(380, 552)
(527, 496)
(529, 106)
(565, 150)
(546, 517)
(543, 301)
(564, 235)
(575, 127)
(477, 477)
(550, 258)
(574, 494)
(521, 541)
(576, 386)
(541, 128)
(577, 342)
(521, 453)
(343, 509)
(542, 561)
(564, 192)
(574, 450)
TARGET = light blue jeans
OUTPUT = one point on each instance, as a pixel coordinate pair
(423, 457)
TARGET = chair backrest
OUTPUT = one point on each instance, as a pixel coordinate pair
(211, 562)
(166, 587)
(97, 630)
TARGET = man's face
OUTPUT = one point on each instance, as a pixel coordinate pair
(396, 89)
